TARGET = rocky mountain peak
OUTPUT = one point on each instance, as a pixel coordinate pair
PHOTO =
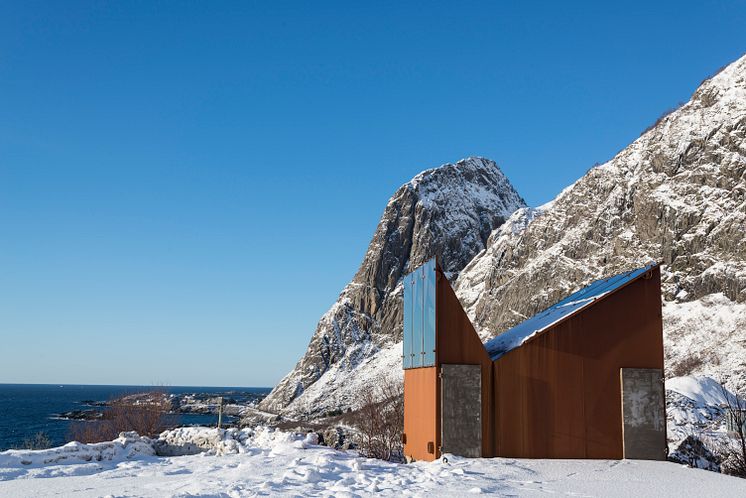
(676, 195)
(448, 212)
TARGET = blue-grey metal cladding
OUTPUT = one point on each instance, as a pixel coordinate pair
(407, 347)
(419, 317)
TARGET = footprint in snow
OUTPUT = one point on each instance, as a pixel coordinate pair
(177, 472)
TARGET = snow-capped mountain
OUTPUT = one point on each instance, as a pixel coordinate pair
(448, 212)
(676, 195)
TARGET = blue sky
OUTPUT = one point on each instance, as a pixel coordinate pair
(185, 187)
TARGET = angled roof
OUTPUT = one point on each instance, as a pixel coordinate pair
(585, 297)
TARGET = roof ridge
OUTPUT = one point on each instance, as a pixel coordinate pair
(527, 329)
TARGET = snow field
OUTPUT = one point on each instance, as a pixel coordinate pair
(275, 463)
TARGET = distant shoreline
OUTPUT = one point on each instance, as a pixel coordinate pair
(150, 386)
(51, 409)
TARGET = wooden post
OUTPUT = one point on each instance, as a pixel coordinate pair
(220, 411)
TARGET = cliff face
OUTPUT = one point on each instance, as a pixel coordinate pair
(676, 195)
(448, 212)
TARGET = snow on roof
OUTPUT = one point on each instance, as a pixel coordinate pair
(518, 335)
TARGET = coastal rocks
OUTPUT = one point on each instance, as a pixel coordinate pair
(237, 405)
(80, 415)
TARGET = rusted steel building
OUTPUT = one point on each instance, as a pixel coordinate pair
(581, 379)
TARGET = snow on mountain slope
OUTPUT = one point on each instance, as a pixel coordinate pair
(448, 212)
(676, 195)
(275, 463)
(702, 390)
(695, 412)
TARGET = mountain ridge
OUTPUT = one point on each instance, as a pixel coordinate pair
(676, 195)
(449, 212)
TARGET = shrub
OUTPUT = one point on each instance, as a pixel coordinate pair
(687, 366)
(148, 414)
(733, 452)
(380, 420)
(40, 441)
(663, 116)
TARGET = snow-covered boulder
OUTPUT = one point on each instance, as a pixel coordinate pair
(193, 440)
(129, 445)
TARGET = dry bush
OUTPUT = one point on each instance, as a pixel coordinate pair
(148, 414)
(380, 420)
(733, 453)
(717, 71)
(40, 441)
(687, 365)
(663, 116)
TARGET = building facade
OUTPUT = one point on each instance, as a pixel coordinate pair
(582, 379)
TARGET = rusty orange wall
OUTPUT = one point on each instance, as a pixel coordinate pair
(559, 395)
(420, 411)
(458, 343)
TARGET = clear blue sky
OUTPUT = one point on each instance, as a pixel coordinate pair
(185, 187)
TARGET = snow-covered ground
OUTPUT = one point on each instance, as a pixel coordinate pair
(265, 462)
(273, 463)
(696, 409)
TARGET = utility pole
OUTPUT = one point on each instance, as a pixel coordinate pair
(220, 411)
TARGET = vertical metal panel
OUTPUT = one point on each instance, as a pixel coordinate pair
(643, 413)
(407, 333)
(417, 317)
(461, 410)
(428, 333)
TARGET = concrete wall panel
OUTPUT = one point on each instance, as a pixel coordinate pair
(461, 410)
(643, 413)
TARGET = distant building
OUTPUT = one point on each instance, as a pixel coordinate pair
(581, 379)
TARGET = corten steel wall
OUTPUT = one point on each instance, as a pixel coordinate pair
(558, 395)
(458, 343)
(420, 411)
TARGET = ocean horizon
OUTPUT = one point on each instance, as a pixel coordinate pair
(29, 409)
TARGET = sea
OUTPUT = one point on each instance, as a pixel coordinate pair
(28, 409)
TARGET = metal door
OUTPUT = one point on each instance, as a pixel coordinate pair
(643, 414)
(461, 410)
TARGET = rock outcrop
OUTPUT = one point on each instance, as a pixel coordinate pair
(448, 212)
(676, 195)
